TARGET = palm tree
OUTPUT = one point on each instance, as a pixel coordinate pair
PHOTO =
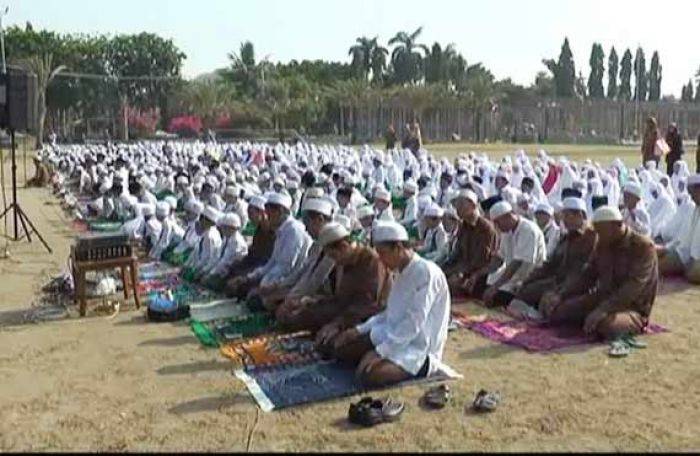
(42, 67)
(480, 93)
(407, 62)
(243, 71)
(379, 63)
(361, 54)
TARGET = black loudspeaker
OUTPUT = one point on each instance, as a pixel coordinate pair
(19, 101)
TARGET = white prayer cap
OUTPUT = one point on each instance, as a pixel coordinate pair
(320, 205)
(172, 201)
(314, 192)
(410, 186)
(633, 188)
(279, 199)
(499, 209)
(434, 211)
(182, 180)
(148, 209)
(382, 194)
(230, 219)
(385, 231)
(694, 180)
(292, 185)
(231, 190)
(607, 214)
(344, 220)
(331, 233)
(162, 209)
(211, 213)
(105, 186)
(467, 194)
(365, 211)
(546, 208)
(451, 212)
(194, 206)
(574, 204)
(257, 202)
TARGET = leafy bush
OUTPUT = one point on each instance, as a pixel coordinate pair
(185, 126)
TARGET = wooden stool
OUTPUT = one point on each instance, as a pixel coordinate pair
(80, 268)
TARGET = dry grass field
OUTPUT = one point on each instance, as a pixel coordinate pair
(124, 384)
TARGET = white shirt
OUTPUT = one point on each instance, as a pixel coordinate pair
(525, 243)
(435, 239)
(153, 230)
(292, 244)
(207, 251)
(387, 214)
(414, 324)
(410, 212)
(233, 250)
(641, 223)
(552, 236)
(172, 233)
(189, 239)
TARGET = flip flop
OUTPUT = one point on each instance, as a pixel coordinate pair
(437, 397)
(619, 349)
(486, 401)
(633, 342)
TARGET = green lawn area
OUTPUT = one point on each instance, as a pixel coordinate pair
(578, 152)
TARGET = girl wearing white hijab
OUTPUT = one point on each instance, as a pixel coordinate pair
(661, 210)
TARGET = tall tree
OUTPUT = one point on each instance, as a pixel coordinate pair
(379, 62)
(613, 63)
(687, 92)
(641, 79)
(438, 64)
(243, 71)
(655, 78)
(361, 53)
(406, 60)
(564, 71)
(45, 70)
(625, 91)
(595, 79)
(580, 86)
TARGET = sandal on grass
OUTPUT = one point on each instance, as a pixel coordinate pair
(437, 397)
(619, 349)
(633, 342)
(486, 401)
(369, 412)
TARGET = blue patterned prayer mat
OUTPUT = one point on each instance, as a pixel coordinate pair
(283, 386)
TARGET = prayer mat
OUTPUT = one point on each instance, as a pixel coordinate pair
(282, 386)
(534, 337)
(105, 227)
(398, 202)
(222, 309)
(270, 350)
(157, 270)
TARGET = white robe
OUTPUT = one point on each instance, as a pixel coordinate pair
(413, 326)
(641, 223)
(234, 249)
(687, 245)
(207, 251)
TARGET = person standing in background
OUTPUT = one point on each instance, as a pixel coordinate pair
(651, 135)
(675, 143)
(390, 137)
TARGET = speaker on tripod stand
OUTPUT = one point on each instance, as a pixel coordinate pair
(18, 113)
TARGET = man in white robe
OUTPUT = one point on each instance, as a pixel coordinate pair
(408, 338)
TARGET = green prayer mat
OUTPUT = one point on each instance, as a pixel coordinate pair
(204, 334)
(212, 334)
(413, 232)
(177, 259)
(163, 194)
(398, 202)
(105, 226)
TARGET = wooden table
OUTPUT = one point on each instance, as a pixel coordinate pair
(80, 268)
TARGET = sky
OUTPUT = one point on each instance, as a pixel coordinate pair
(510, 37)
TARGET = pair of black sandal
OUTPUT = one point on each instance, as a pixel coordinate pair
(369, 412)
